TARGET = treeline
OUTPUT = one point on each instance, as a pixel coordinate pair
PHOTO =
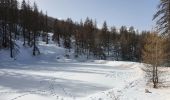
(105, 43)
(24, 21)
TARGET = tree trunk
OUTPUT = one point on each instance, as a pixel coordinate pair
(34, 45)
(23, 32)
(11, 44)
(47, 39)
(29, 38)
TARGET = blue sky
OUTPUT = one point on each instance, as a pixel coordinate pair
(137, 13)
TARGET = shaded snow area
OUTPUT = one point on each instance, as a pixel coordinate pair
(52, 76)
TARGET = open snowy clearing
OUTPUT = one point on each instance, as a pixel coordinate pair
(63, 80)
(75, 81)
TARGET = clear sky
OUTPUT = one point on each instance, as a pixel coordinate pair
(137, 13)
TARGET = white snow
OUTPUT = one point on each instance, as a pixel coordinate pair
(52, 76)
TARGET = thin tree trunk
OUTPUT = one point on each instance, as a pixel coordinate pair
(24, 36)
(47, 39)
(11, 44)
(34, 43)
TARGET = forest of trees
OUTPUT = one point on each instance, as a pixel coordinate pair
(124, 44)
(23, 21)
(26, 22)
(18, 21)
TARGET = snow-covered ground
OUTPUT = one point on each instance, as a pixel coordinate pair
(51, 76)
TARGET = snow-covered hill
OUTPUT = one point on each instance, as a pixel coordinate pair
(52, 76)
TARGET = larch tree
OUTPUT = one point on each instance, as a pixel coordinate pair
(153, 54)
(115, 43)
(57, 32)
(46, 28)
(124, 43)
(105, 38)
(12, 22)
(35, 30)
(23, 16)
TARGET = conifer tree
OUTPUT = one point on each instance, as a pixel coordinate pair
(154, 54)
(35, 29)
(105, 38)
(46, 28)
(163, 17)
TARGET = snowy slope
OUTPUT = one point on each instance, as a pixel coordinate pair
(51, 76)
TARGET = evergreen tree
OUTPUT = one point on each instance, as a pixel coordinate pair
(163, 17)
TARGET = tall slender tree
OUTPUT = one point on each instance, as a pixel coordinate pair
(35, 29)
(154, 54)
(105, 38)
(46, 28)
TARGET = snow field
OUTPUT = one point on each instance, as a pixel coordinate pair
(52, 76)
